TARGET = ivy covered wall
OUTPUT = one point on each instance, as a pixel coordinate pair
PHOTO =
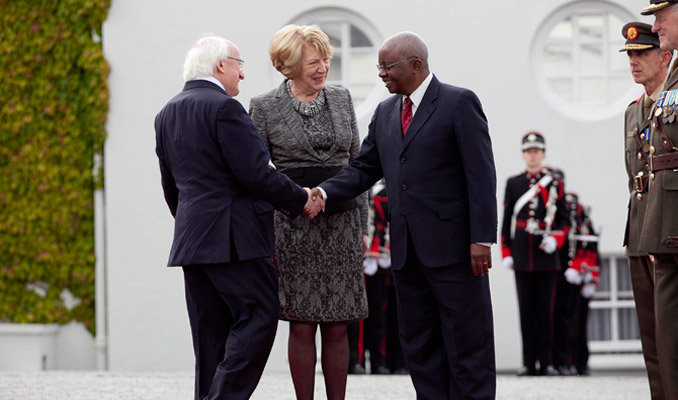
(53, 108)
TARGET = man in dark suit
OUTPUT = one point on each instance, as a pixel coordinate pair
(222, 192)
(431, 143)
(649, 67)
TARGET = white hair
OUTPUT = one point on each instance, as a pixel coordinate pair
(201, 60)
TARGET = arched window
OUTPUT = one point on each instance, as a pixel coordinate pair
(356, 44)
(577, 62)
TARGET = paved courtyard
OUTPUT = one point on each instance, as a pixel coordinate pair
(59, 385)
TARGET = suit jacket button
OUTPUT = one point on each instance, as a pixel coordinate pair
(404, 187)
(402, 160)
(402, 213)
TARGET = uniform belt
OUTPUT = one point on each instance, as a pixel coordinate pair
(522, 224)
(664, 161)
(640, 183)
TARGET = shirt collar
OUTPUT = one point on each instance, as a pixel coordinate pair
(213, 80)
(418, 95)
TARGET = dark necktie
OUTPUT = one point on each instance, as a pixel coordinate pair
(406, 116)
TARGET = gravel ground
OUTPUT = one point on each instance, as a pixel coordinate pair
(61, 385)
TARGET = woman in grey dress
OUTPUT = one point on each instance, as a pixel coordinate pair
(311, 132)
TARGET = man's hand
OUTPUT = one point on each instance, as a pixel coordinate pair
(481, 259)
(314, 204)
(317, 193)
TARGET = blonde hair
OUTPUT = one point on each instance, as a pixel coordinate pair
(287, 45)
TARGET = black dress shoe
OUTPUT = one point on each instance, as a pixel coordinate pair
(381, 370)
(565, 371)
(401, 371)
(549, 371)
(356, 369)
(525, 371)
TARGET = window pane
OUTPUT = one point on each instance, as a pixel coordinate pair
(590, 28)
(591, 60)
(628, 324)
(614, 26)
(623, 274)
(358, 38)
(362, 66)
(619, 61)
(335, 68)
(360, 92)
(564, 88)
(599, 325)
(333, 30)
(593, 91)
(604, 280)
(557, 60)
(562, 31)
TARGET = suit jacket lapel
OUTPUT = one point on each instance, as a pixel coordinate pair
(292, 119)
(424, 111)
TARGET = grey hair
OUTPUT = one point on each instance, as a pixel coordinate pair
(409, 44)
(201, 60)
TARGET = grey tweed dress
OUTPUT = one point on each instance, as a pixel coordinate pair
(319, 261)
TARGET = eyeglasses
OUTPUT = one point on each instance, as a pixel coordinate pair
(240, 61)
(387, 67)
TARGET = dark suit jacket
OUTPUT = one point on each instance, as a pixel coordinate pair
(440, 177)
(216, 178)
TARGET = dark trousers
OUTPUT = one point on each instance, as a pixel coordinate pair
(446, 332)
(581, 342)
(666, 312)
(564, 320)
(233, 310)
(376, 322)
(642, 279)
(394, 352)
(536, 295)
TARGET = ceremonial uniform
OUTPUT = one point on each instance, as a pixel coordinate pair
(567, 300)
(659, 236)
(637, 125)
(583, 271)
(534, 208)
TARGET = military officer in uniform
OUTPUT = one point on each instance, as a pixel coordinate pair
(649, 67)
(659, 236)
(533, 228)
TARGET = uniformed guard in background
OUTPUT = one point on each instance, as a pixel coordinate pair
(533, 228)
(583, 271)
(567, 299)
(649, 67)
(659, 236)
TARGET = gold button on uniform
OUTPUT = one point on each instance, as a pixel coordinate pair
(651, 149)
(639, 196)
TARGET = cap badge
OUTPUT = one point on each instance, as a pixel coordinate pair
(532, 137)
(632, 33)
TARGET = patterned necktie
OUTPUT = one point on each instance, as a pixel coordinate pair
(406, 116)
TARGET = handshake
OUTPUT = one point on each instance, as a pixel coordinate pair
(314, 204)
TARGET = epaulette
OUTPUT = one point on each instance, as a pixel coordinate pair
(636, 101)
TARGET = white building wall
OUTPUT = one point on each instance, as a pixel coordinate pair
(484, 46)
